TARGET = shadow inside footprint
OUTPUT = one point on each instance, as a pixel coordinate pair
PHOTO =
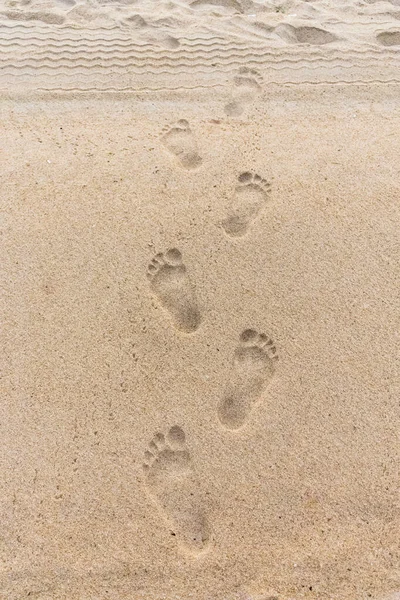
(247, 84)
(250, 195)
(170, 282)
(171, 480)
(180, 141)
(253, 367)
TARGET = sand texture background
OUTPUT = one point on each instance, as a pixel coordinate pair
(200, 300)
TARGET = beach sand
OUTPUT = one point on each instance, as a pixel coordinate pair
(200, 394)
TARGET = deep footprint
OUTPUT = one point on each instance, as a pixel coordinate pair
(253, 367)
(170, 479)
(247, 85)
(305, 35)
(251, 194)
(180, 140)
(171, 284)
(389, 38)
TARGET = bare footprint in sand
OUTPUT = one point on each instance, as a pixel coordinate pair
(251, 194)
(180, 140)
(172, 482)
(247, 85)
(171, 284)
(253, 367)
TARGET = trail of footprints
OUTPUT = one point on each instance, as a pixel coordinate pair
(168, 468)
(169, 473)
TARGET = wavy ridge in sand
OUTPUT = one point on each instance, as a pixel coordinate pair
(64, 44)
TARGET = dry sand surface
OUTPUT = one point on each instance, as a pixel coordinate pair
(200, 300)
